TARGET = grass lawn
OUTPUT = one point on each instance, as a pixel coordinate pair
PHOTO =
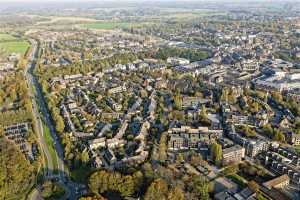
(50, 143)
(107, 25)
(6, 37)
(19, 47)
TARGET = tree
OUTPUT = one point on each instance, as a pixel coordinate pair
(102, 181)
(279, 136)
(268, 130)
(15, 171)
(216, 153)
(52, 191)
(253, 186)
(277, 97)
(59, 124)
(199, 186)
(163, 147)
(157, 190)
(248, 131)
(176, 194)
(178, 100)
(203, 117)
(85, 156)
(224, 96)
(1, 131)
(231, 169)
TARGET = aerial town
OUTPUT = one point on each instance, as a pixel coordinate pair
(152, 100)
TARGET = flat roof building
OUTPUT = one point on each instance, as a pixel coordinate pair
(278, 182)
(233, 154)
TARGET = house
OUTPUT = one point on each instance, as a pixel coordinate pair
(118, 89)
(233, 154)
(143, 131)
(115, 106)
(6, 66)
(96, 143)
(97, 162)
(73, 77)
(122, 130)
(159, 84)
(114, 142)
(293, 138)
(109, 156)
(278, 182)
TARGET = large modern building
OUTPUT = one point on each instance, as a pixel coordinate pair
(255, 147)
(278, 182)
(190, 138)
(233, 154)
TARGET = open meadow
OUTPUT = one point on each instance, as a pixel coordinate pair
(10, 44)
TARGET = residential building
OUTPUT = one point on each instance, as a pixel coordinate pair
(118, 89)
(293, 138)
(233, 154)
(96, 143)
(255, 147)
(186, 137)
(278, 182)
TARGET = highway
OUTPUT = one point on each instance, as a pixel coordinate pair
(41, 115)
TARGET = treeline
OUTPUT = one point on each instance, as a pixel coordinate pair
(102, 182)
(16, 173)
(46, 73)
(12, 117)
(51, 190)
(15, 102)
(190, 54)
(13, 89)
(148, 184)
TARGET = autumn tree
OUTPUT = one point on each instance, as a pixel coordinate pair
(178, 100)
(216, 153)
(176, 194)
(253, 186)
(157, 190)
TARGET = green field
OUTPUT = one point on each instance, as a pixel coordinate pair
(107, 25)
(9, 44)
(6, 37)
(19, 47)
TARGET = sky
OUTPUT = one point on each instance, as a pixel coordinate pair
(102, 1)
(43, 1)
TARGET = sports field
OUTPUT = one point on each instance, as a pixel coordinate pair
(10, 44)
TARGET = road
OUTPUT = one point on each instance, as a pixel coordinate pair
(39, 124)
(41, 115)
